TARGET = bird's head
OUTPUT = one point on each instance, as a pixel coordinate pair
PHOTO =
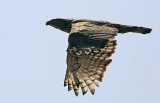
(62, 24)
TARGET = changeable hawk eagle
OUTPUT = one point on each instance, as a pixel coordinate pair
(91, 44)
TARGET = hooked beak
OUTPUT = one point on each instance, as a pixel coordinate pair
(48, 23)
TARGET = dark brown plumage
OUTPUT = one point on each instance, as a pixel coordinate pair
(91, 44)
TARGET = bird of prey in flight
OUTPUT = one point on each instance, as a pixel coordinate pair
(91, 44)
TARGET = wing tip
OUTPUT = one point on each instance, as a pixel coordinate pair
(76, 92)
(84, 93)
(93, 92)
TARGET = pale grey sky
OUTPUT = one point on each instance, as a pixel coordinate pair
(33, 56)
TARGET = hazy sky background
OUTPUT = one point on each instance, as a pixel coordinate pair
(33, 56)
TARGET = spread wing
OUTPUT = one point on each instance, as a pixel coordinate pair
(90, 47)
